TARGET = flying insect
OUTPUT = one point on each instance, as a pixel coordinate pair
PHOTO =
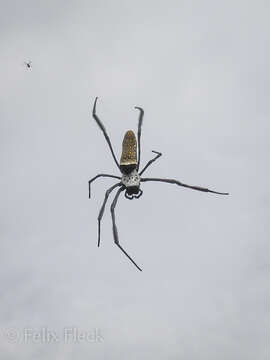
(28, 64)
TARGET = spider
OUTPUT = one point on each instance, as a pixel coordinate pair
(131, 176)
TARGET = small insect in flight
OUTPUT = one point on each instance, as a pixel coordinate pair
(131, 175)
(28, 64)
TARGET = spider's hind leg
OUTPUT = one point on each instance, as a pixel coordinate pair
(151, 161)
(115, 232)
(139, 134)
(102, 128)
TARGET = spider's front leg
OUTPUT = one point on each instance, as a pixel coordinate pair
(101, 212)
(115, 232)
(97, 176)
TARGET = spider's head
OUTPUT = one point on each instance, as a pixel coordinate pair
(131, 183)
(133, 192)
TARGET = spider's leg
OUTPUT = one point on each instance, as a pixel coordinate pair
(139, 134)
(173, 181)
(151, 161)
(97, 176)
(101, 212)
(115, 233)
(102, 127)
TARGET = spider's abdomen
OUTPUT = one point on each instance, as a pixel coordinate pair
(128, 160)
(132, 182)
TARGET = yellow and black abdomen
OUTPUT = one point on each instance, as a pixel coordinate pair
(128, 160)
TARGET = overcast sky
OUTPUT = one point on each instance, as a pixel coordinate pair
(200, 70)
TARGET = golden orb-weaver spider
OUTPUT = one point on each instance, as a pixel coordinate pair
(131, 177)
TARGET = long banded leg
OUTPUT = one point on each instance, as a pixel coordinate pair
(151, 161)
(173, 181)
(139, 134)
(115, 233)
(101, 212)
(97, 176)
(102, 127)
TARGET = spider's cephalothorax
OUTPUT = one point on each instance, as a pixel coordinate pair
(131, 182)
(131, 176)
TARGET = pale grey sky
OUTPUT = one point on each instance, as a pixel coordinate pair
(200, 70)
